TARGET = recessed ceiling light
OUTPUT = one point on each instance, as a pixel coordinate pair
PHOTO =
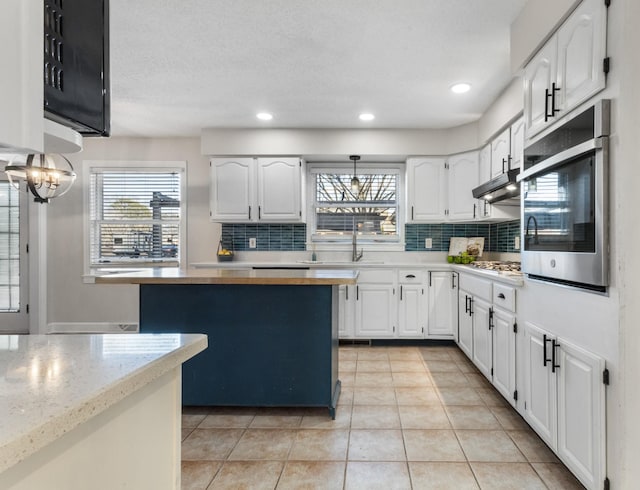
(460, 88)
(366, 116)
(264, 116)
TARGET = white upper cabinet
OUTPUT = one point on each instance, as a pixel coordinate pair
(246, 190)
(279, 189)
(426, 189)
(517, 144)
(568, 69)
(484, 163)
(500, 148)
(463, 178)
(21, 84)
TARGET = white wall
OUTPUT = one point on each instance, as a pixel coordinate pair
(69, 300)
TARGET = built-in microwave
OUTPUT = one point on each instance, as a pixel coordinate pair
(565, 202)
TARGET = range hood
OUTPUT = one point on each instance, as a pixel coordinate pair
(500, 188)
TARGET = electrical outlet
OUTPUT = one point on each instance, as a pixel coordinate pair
(252, 243)
(428, 243)
(516, 243)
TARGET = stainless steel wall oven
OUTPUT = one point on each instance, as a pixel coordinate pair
(565, 202)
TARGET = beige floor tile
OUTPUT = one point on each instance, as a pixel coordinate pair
(404, 354)
(472, 417)
(458, 356)
(423, 417)
(192, 416)
(408, 367)
(402, 379)
(442, 476)
(532, 446)
(248, 475)
(459, 396)
(477, 380)
(557, 476)
(507, 476)
(347, 366)
(347, 379)
(196, 475)
(417, 395)
(509, 419)
(274, 421)
(376, 445)
(442, 367)
(372, 354)
(435, 354)
(449, 380)
(374, 366)
(263, 444)
(375, 417)
(374, 379)
(432, 445)
(491, 397)
(377, 476)
(466, 366)
(312, 475)
(489, 446)
(374, 396)
(228, 418)
(320, 445)
(320, 419)
(210, 444)
(347, 354)
(185, 433)
(346, 395)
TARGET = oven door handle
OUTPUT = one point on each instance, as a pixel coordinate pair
(559, 158)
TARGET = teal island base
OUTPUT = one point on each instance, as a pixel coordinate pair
(269, 345)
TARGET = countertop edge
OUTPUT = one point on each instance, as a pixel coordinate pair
(512, 280)
(48, 431)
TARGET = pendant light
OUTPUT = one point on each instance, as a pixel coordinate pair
(46, 175)
(355, 182)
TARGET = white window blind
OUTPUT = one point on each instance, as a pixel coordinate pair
(371, 211)
(135, 215)
(9, 248)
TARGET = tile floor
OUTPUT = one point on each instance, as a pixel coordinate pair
(408, 418)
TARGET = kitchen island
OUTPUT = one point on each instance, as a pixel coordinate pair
(273, 334)
(92, 411)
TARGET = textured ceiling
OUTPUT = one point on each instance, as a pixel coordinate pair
(178, 66)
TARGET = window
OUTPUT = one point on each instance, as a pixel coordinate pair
(372, 211)
(136, 213)
(9, 248)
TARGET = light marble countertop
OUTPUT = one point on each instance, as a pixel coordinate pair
(246, 275)
(53, 383)
(511, 278)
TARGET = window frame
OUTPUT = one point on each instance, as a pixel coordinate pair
(380, 244)
(94, 166)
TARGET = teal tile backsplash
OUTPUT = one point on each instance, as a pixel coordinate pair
(498, 237)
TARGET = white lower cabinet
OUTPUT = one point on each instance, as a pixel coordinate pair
(504, 353)
(346, 312)
(442, 305)
(465, 324)
(482, 338)
(412, 304)
(375, 306)
(564, 402)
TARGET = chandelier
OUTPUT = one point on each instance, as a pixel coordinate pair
(46, 175)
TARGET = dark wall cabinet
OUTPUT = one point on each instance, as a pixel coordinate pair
(76, 64)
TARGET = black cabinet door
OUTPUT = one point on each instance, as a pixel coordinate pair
(76, 64)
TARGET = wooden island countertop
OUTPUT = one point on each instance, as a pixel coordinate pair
(292, 277)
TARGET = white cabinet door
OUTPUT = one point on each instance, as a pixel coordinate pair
(539, 74)
(540, 398)
(504, 353)
(482, 342)
(279, 189)
(412, 314)
(463, 178)
(581, 413)
(500, 148)
(426, 189)
(346, 313)
(484, 164)
(581, 51)
(465, 324)
(232, 188)
(442, 304)
(375, 311)
(517, 143)
(21, 86)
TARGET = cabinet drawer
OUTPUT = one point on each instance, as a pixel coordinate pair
(478, 287)
(376, 276)
(504, 297)
(411, 276)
